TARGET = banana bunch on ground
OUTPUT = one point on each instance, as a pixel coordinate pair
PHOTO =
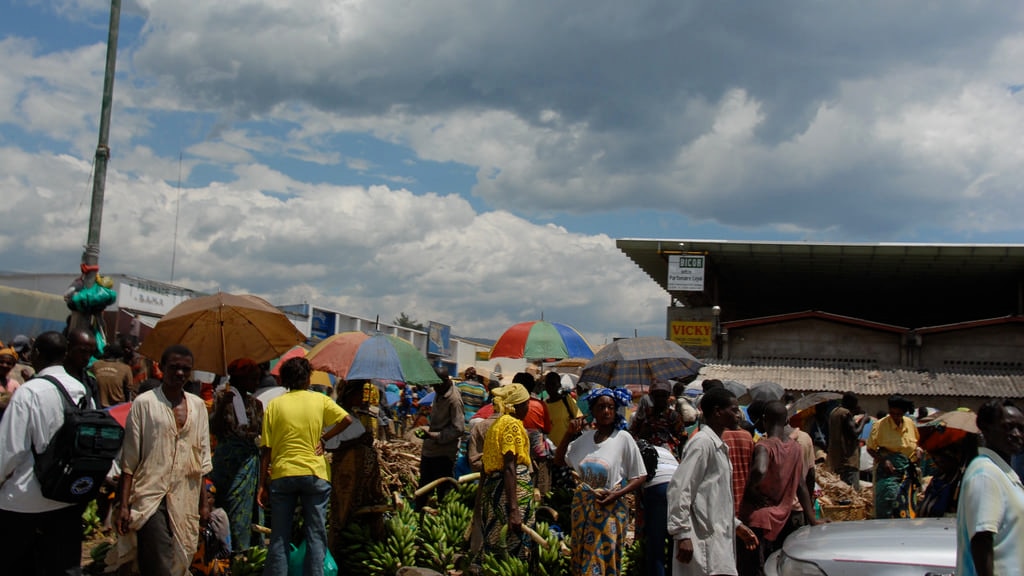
(633, 559)
(398, 549)
(91, 522)
(356, 552)
(553, 559)
(494, 565)
(437, 550)
(441, 536)
(249, 562)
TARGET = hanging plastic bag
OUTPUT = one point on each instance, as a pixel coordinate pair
(297, 561)
(92, 299)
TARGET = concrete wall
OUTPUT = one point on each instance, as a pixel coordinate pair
(814, 338)
(993, 347)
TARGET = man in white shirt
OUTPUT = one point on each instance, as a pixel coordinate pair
(701, 513)
(39, 534)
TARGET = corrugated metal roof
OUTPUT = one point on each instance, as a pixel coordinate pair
(809, 378)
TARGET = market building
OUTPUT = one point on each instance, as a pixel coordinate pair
(940, 323)
(31, 303)
(140, 302)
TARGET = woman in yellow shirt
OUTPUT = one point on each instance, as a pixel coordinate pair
(893, 445)
(507, 490)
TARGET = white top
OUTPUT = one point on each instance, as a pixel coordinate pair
(609, 464)
(351, 432)
(700, 506)
(991, 500)
(667, 465)
(265, 395)
(32, 418)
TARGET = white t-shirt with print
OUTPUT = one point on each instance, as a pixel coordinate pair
(609, 464)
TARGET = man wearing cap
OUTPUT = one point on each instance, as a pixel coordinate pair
(441, 443)
(656, 423)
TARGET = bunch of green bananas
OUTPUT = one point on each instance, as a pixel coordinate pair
(495, 565)
(633, 559)
(550, 559)
(249, 562)
(356, 551)
(91, 522)
(437, 549)
(398, 549)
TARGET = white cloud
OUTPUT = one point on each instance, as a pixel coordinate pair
(840, 121)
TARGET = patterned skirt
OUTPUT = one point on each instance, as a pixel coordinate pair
(236, 468)
(598, 534)
(498, 538)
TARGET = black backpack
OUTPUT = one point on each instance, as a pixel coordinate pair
(79, 456)
(649, 455)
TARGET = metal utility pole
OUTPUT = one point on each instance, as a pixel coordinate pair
(91, 255)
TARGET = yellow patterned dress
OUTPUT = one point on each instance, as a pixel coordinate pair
(506, 435)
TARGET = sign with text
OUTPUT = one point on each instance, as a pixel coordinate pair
(685, 273)
(691, 334)
(150, 297)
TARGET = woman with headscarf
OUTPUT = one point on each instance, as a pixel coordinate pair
(236, 423)
(8, 359)
(506, 493)
(610, 466)
(893, 445)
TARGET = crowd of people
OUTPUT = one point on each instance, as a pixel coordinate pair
(712, 490)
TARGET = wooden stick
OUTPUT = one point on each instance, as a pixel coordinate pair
(375, 509)
(434, 484)
(536, 537)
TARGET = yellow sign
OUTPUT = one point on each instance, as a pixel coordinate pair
(483, 355)
(694, 334)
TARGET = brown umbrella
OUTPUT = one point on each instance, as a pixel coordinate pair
(221, 328)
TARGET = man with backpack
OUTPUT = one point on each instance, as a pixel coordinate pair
(40, 535)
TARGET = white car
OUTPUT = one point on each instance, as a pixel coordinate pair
(920, 547)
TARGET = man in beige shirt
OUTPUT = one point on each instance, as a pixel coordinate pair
(165, 454)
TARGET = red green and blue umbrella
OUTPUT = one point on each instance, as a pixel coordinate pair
(360, 356)
(540, 340)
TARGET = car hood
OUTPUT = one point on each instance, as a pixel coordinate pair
(919, 542)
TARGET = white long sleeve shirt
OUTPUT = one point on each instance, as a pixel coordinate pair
(700, 506)
(34, 415)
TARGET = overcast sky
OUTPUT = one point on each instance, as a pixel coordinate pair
(472, 163)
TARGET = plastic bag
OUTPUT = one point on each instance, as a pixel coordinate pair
(297, 561)
(92, 299)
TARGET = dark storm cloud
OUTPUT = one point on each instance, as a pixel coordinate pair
(609, 63)
(623, 104)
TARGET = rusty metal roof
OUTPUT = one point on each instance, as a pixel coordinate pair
(869, 382)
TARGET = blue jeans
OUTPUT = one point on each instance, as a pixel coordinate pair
(655, 499)
(285, 493)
